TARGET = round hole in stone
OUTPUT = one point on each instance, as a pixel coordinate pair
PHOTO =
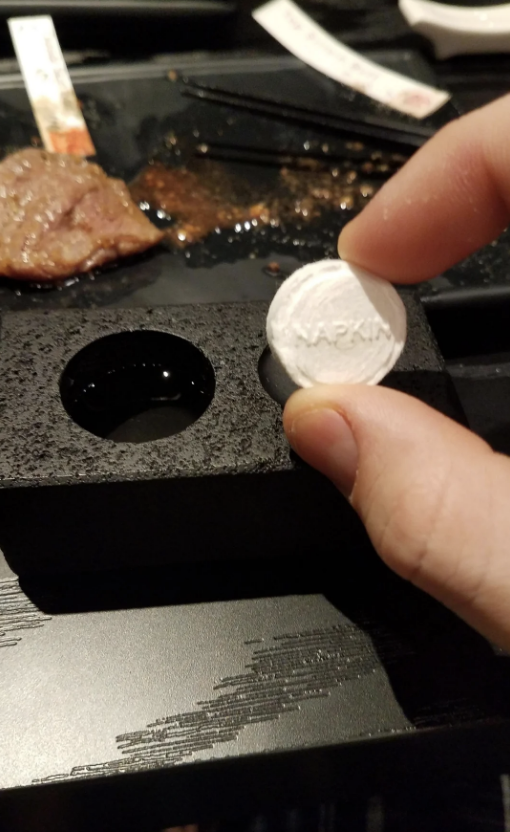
(274, 378)
(137, 386)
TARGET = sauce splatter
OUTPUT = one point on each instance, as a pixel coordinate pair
(205, 195)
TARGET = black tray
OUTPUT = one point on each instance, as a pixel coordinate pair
(232, 467)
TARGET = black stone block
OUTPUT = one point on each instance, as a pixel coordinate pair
(226, 486)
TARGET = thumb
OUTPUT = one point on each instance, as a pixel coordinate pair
(435, 499)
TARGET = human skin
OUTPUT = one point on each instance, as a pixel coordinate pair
(434, 497)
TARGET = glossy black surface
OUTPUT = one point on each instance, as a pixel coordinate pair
(137, 386)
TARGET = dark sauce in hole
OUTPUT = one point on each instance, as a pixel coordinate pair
(137, 386)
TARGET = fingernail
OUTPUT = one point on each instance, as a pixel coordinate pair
(324, 439)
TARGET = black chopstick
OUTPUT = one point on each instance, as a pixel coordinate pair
(371, 126)
(413, 127)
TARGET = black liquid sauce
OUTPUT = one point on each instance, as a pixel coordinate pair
(137, 386)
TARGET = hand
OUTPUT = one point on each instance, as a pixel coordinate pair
(435, 498)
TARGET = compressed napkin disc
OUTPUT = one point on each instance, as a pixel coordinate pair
(333, 323)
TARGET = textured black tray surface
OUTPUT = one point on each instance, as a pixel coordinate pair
(232, 466)
(241, 429)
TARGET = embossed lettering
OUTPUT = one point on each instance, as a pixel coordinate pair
(343, 334)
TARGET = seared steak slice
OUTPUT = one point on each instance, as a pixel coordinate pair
(61, 215)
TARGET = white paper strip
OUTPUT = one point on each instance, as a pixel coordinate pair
(305, 39)
(49, 86)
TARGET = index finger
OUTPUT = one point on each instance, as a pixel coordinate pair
(451, 198)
